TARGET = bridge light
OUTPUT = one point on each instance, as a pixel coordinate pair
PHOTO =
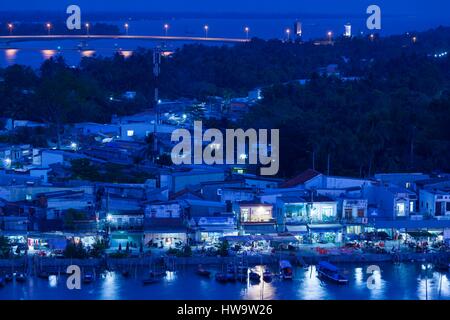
(206, 27)
(166, 29)
(288, 33)
(87, 28)
(127, 26)
(247, 30)
(330, 35)
(49, 27)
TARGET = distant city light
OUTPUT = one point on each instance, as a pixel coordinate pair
(206, 27)
(74, 146)
(348, 30)
(10, 28)
(7, 162)
(109, 217)
(87, 28)
(184, 116)
(247, 30)
(127, 26)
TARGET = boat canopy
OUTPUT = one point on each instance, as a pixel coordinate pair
(285, 264)
(328, 266)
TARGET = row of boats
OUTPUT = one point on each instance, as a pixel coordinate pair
(325, 270)
(241, 273)
(9, 277)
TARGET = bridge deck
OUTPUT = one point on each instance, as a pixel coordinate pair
(23, 38)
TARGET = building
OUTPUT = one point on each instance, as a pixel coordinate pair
(435, 203)
(165, 224)
(255, 218)
(389, 202)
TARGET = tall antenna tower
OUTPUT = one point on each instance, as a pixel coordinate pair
(156, 72)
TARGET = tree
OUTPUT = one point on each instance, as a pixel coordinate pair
(5, 247)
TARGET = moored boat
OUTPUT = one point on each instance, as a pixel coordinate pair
(8, 277)
(267, 276)
(254, 276)
(330, 272)
(21, 277)
(88, 278)
(286, 270)
(203, 272)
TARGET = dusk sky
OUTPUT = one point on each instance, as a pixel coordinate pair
(427, 9)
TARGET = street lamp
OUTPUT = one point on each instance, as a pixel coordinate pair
(87, 28)
(206, 30)
(166, 29)
(49, 27)
(247, 30)
(372, 37)
(10, 28)
(127, 26)
(288, 34)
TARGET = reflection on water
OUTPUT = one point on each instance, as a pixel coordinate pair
(403, 281)
(48, 53)
(87, 53)
(311, 287)
(126, 53)
(10, 56)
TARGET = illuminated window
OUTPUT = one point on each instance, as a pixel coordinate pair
(400, 209)
(130, 133)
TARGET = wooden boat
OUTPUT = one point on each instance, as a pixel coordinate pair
(286, 270)
(202, 272)
(21, 277)
(330, 272)
(43, 275)
(88, 278)
(267, 276)
(221, 277)
(254, 277)
(8, 277)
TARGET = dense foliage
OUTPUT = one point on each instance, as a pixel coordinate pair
(395, 118)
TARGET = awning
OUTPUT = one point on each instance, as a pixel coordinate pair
(324, 227)
(255, 229)
(297, 229)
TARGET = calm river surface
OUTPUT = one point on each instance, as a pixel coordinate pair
(403, 281)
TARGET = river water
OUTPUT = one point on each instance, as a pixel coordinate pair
(401, 281)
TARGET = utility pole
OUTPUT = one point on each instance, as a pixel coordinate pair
(156, 72)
